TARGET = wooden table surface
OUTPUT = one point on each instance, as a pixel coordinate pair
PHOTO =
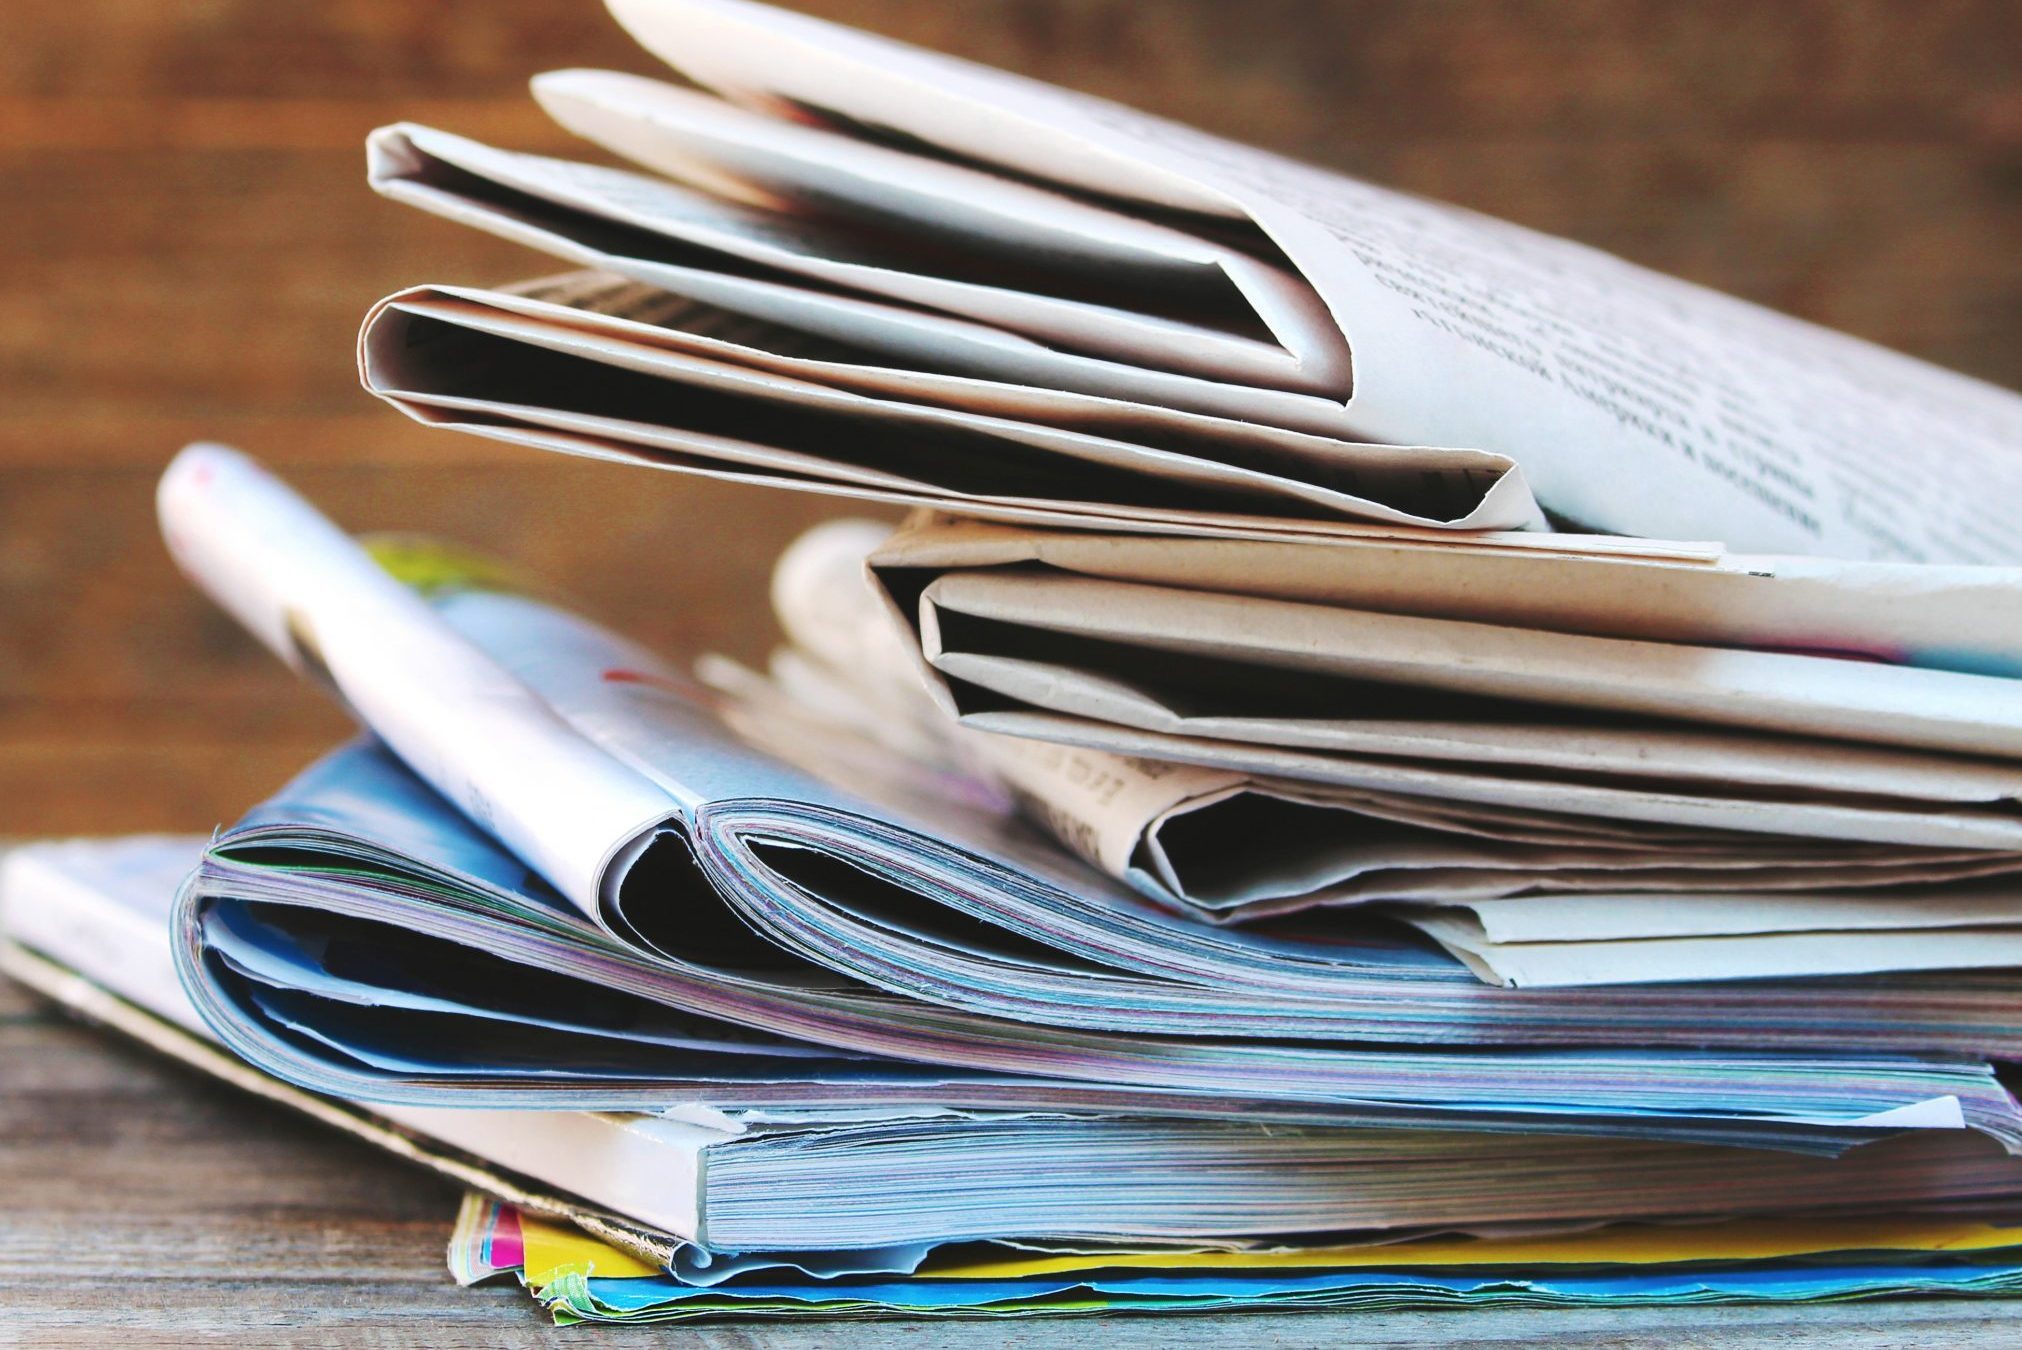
(144, 1205)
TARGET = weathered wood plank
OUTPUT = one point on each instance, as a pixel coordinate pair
(127, 702)
(1580, 68)
(95, 609)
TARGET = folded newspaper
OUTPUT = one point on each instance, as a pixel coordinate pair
(1497, 859)
(859, 267)
(1625, 727)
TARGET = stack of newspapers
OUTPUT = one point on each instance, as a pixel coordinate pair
(1298, 814)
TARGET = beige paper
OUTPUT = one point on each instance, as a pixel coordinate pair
(1231, 845)
(1959, 618)
(1752, 956)
(1765, 691)
(589, 199)
(1636, 402)
(523, 369)
(1603, 917)
(1910, 824)
(989, 222)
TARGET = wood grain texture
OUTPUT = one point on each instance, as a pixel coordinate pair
(190, 245)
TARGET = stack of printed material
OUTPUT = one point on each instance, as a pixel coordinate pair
(554, 875)
(894, 1017)
(597, 1214)
(580, 1279)
(868, 269)
(1236, 753)
(1183, 797)
(1303, 432)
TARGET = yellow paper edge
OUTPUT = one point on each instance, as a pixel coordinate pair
(1732, 1240)
(553, 1249)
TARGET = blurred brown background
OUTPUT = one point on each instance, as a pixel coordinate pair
(187, 244)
